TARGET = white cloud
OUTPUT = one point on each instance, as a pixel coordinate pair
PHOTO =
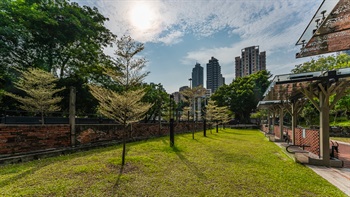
(274, 25)
(172, 38)
(202, 18)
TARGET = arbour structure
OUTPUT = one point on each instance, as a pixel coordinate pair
(290, 91)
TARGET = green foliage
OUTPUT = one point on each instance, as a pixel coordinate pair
(57, 36)
(189, 96)
(185, 114)
(343, 105)
(243, 94)
(125, 107)
(310, 114)
(324, 64)
(40, 88)
(129, 71)
(155, 93)
(230, 163)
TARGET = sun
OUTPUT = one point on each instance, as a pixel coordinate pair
(142, 16)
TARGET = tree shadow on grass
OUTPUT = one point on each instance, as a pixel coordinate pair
(116, 185)
(189, 164)
(5, 182)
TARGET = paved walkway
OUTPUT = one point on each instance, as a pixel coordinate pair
(344, 153)
(339, 177)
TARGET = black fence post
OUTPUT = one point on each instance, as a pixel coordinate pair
(172, 143)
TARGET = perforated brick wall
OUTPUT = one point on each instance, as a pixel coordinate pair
(25, 138)
(308, 137)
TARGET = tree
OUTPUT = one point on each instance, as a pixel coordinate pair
(125, 107)
(211, 114)
(155, 93)
(185, 114)
(223, 115)
(129, 72)
(243, 94)
(57, 36)
(323, 64)
(40, 88)
(190, 94)
(344, 104)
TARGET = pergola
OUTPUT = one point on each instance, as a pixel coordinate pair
(290, 92)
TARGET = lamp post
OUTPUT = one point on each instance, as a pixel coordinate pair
(172, 143)
(205, 118)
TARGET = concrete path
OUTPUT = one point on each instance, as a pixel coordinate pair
(339, 177)
(344, 153)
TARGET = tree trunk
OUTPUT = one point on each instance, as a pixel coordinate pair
(42, 118)
(124, 144)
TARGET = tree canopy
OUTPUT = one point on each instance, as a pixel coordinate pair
(57, 36)
(39, 87)
(324, 64)
(243, 94)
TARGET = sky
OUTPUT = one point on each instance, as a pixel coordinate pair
(179, 33)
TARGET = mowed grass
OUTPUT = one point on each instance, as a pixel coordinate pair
(228, 163)
(341, 139)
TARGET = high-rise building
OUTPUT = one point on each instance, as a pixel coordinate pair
(214, 76)
(251, 61)
(197, 75)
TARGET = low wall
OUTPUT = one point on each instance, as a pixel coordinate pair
(26, 138)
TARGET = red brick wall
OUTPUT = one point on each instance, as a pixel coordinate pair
(96, 133)
(312, 138)
(276, 130)
(25, 138)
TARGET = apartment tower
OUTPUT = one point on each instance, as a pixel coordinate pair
(214, 76)
(251, 61)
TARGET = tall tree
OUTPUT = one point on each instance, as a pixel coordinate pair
(211, 114)
(57, 36)
(190, 94)
(155, 93)
(125, 107)
(243, 94)
(40, 88)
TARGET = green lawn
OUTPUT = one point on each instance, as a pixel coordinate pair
(341, 139)
(228, 163)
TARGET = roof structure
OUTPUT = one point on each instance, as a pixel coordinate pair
(289, 87)
(328, 31)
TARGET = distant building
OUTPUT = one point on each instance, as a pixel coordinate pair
(251, 61)
(214, 76)
(208, 93)
(183, 88)
(177, 97)
(197, 75)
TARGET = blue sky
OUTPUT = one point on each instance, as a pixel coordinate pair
(177, 34)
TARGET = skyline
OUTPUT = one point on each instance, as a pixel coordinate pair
(178, 34)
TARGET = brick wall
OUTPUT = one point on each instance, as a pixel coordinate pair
(25, 138)
(276, 130)
(311, 138)
(97, 133)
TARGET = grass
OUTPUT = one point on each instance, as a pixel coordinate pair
(341, 139)
(340, 122)
(228, 163)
